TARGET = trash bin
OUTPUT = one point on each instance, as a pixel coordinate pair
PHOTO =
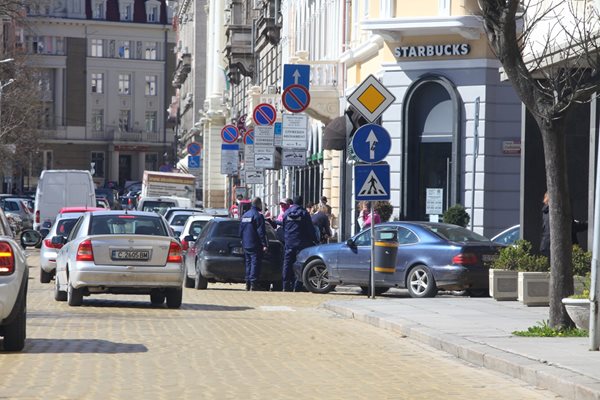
(386, 249)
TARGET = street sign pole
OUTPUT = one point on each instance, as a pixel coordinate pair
(372, 283)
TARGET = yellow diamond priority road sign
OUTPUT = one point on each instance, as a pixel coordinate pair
(371, 98)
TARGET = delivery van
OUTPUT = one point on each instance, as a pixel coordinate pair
(160, 204)
(62, 188)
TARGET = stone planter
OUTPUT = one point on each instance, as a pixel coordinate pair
(579, 312)
(503, 284)
(534, 288)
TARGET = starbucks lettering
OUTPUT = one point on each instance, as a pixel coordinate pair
(433, 50)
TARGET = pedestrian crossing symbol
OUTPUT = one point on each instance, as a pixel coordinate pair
(372, 182)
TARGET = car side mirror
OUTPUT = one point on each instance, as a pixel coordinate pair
(350, 243)
(59, 240)
(30, 238)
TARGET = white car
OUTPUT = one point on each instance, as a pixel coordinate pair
(189, 234)
(119, 252)
(63, 225)
(177, 219)
(14, 274)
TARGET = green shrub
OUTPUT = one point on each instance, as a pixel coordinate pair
(456, 215)
(542, 329)
(582, 261)
(519, 258)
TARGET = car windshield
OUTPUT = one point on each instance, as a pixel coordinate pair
(180, 219)
(127, 224)
(455, 233)
(157, 206)
(65, 226)
(196, 227)
(10, 206)
(227, 229)
(509, 237)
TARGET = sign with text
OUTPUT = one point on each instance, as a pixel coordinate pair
(264, 136)
(277, 139)
(293, 158)
(434, 201)
(229, 159)
(249, 155)
(264, 157)
(254, 176)
(294, 131)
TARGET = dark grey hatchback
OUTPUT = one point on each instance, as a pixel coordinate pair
(431, 256)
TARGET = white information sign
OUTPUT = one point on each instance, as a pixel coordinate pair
(264, 158)
(254, 176)
(248, 155)
(293, 158)
(229, 159)
(264, 135)
(434, 201)
(294, 131)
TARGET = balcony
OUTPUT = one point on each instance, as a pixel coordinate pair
(184, 66)
(324, 90)
(268, 32)
(238, 51)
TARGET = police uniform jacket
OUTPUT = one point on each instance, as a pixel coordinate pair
(252, 230)
(298, 229)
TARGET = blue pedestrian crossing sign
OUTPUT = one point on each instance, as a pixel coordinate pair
(371, 143)
(193, 162)
(372, 182)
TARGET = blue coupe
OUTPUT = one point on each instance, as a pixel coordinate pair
(431, 256)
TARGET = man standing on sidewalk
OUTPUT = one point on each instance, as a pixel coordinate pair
(254, 242)
(299, 234)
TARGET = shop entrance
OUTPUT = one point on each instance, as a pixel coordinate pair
(124, 168)
(430, 148)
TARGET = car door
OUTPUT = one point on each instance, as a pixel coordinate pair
(354, 261)
(408, 241)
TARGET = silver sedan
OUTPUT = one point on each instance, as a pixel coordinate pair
(119, 252)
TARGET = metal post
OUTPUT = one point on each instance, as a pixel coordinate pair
(475, 153)
(595, 285)
(372, 285)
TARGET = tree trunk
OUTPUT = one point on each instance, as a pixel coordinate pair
(561, 275)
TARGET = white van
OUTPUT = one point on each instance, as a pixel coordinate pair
(160, 204)
(58, 188)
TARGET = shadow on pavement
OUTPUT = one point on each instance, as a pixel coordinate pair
(100, 303)
(213, 307)
(92, 346)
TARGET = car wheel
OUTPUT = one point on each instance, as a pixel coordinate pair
(316, 277)
(189, 282)
(45, 277)
(174, 297)
(157, 298)
(200, 283)
(59, 295)
(378, 290)
(420, 282)
(16, 331)
(74, 296)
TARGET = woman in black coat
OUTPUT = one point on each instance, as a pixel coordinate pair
(576, 226)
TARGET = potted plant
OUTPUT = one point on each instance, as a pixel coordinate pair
(533, 283)
(578, 306)
(504, 271)
(456, 215)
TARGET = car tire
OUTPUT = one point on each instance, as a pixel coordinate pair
(174, 297)
(200, 282)
(420, 282)
(45, 277)
(378, 290)
(74, 296)
(59, 295)
(16, 331)
(189, 282)
(157, 298)
(315, 277)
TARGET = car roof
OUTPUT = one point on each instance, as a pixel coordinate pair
(125, 212)
(71, 215)
(78, 209)
(201, 217)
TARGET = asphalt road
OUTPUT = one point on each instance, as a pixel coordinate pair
(226, 343)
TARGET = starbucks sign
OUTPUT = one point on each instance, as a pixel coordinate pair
(433, 50)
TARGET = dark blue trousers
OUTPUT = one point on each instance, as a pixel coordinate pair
(289, 279)
(253, 258)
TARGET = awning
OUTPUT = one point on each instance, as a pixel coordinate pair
(335, 133)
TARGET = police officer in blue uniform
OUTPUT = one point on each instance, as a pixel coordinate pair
(254, 241)
(299, 234)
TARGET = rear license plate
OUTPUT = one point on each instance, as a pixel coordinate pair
(489, 257)
(131, 255)
(237, 250)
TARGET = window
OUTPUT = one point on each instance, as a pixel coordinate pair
(97, 48)
(98, 10)
(98, 160)
(124, 49)
(406, 236)
(150, 51)
(151, 121)
(151, 162)
(126, 11)
(124, 120)
(152, 13)
(124, 81)
(150, 85)
(45, 80)
(98, 120)
(97, 83)
(364, 239)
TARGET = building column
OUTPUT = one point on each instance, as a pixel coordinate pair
(141, 164)
(58, 96)
(114, 165)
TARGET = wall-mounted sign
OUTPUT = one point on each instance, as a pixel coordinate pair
(434, 201)
(511, 147)
(433, 50)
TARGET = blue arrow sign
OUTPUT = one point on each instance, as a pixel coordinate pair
(371, 143)
(193, 162)
(372, 182)
(296, 74)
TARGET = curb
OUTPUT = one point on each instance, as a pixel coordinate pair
(535, 372)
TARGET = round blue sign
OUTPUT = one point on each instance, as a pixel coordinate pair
(249, 137)
(229, 134)
(194, 148)
(264, 114)
(295, 98)
(371, 143)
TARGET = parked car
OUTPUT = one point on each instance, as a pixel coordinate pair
(509, 236)
(178, 219)
(171, 210)
(219, 257)
(162, 204)
(14, 275)
(120, 252)
(431, 256)
(19, 207)
(190, 232)
(64, 223)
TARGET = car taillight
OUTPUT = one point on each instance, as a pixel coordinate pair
(48, 243)
(7, 259)
(185, 245)
(84, 251)
(465, 259)
(174, 253)
(37, 217)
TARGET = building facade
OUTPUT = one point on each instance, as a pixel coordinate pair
(105, 69)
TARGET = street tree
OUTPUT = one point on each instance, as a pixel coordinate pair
(549, 52)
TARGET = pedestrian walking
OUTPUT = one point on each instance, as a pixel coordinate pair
(327, 206)
(284, 205)
(254, 242)
(576, 226)
(299, 233)
(320, 220)
(365, 216)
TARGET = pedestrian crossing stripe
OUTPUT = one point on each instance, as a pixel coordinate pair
(372, 186)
